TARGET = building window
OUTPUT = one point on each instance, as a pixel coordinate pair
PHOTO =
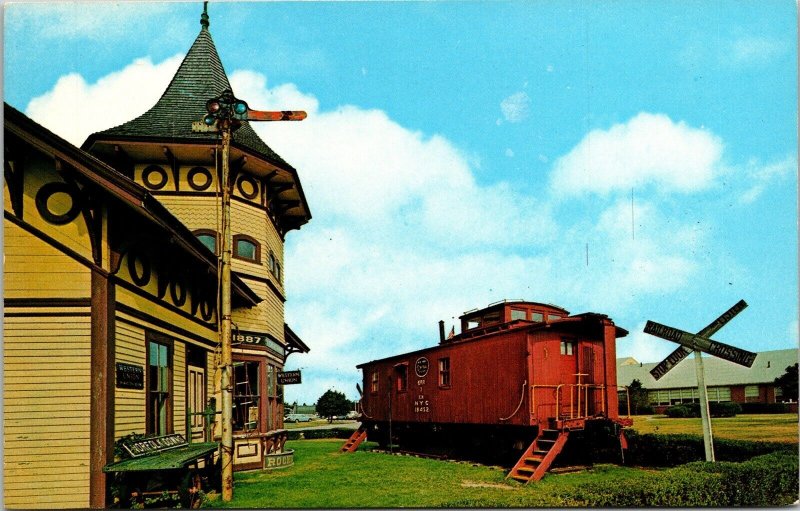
(247, 248)
(278, 271)
(444, 372)
(517, 314)
(374, 384)
(402, 377)
(567, 347)
(208, 238)
(246, 395)
(274, 266)
(751, 394)
(159, 404)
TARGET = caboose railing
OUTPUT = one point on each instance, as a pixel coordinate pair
(583, 397)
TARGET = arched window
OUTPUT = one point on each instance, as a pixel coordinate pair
(271, 261)
(208, 238)
(246, 247)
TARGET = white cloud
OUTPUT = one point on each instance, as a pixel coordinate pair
(75, 109)
(650, 149)
(793, 332)
(749, 50)
(761, 176)
(515, 107)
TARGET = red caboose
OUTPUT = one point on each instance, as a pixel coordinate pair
(520, 374)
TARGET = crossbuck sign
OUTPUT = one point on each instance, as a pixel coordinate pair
(700, 342)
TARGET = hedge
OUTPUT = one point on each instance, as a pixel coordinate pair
(764, 408)
(768, 480)
(311, 434)
(654, 450)
(693, 410)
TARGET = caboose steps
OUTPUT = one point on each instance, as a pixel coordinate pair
(539, 456)
(355, 440)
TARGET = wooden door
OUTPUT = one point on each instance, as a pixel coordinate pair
(196, 397)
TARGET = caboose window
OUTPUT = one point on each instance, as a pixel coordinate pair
(553, 317)
(374, 384)
(402, 377)
(567, 347)
(537, 316)
(517, 314)
(444, 372)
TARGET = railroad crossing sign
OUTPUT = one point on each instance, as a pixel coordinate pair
(700, 342)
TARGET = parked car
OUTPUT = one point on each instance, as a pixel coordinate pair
(352, 415)
(297, 417)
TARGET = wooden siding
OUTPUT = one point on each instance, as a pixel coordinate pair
(29, 266)
(179, 388)
(149, 307)
(46, 364)
(486, 382)
(130, 403)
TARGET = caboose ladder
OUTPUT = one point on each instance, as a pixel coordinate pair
(355, 440)
(536, 460)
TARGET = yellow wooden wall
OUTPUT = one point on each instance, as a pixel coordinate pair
(129, 404)
(29, 266)
(46, 363)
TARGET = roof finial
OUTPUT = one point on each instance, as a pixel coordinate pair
(204, 17)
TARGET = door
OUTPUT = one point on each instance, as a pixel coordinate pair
(590, 393)
(196, 396)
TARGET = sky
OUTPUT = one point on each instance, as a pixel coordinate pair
(636, 159)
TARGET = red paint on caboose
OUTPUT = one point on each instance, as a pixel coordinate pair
(519, 374)
(514, 363)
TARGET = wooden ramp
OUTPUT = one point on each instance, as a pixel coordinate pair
(536, 460)
(355, 440)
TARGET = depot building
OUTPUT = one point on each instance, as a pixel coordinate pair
(111, 295)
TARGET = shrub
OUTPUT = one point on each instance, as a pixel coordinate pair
(764, 408)
(670, 450)
(693, 410)
(311, 434)
(767, 480)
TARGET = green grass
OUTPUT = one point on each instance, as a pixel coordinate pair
(321, 477)
(756, 427)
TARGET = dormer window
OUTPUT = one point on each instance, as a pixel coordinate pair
(247, 248)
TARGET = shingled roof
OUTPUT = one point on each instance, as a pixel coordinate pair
(199, 78)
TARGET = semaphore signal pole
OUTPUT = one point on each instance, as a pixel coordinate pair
(225, 114)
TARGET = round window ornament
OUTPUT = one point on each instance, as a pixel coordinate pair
(57, 203)
(199, 179)
(154, 177)
(247, 187)
(421, 367)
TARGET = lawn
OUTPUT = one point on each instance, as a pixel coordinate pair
(323, 477)
(766, 427)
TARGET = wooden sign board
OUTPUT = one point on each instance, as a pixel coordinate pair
(700, 343)
(289, 377)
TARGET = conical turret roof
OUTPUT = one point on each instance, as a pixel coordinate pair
(199, 78)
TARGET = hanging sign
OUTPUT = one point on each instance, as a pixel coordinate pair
(289, 378)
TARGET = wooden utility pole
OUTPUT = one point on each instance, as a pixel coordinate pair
(225, 114)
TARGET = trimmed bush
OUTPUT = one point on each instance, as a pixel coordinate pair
(651, 450)
(764, 408)
(311, 434)
(693, 410)
(769, 480)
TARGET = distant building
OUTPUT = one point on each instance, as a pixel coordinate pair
(725, 381)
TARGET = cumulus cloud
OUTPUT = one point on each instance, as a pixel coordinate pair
(75, 109)
(515, 107)
(649, 149)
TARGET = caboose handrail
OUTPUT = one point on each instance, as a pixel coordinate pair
(578, 399)
(521, 399)
(361, 405)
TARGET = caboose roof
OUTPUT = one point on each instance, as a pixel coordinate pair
(507, 303)
(578, 322)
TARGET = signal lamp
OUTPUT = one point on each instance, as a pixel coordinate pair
(209, 120)
(240, 107)
(213, 106)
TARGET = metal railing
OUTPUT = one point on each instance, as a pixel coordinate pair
(584, 398)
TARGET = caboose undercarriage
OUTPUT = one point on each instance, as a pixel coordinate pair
(590, 441)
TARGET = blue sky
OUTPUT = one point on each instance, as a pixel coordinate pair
(460, 153)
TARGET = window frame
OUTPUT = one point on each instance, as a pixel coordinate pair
(152, 338)
(261, 391)
(208, 232)
(401, 378)
(568, 347)
(249, 239)
(445, 373)
(374, 385)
